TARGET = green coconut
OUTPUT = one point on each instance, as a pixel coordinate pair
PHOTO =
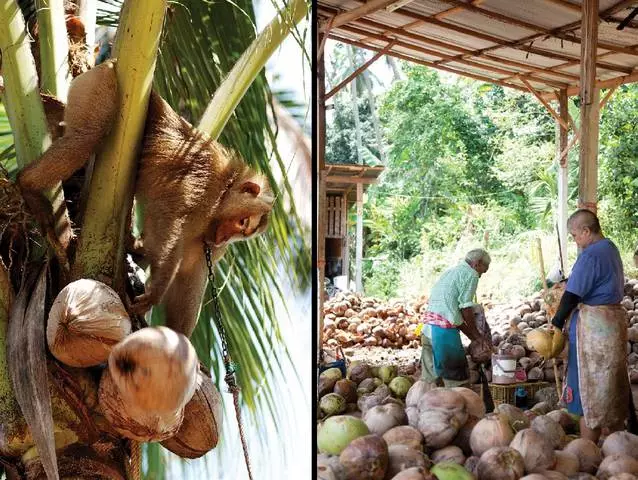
(337, 432)
(327, 380)
(450, 471)
(387, 373)
(400, 386)
(332, 404)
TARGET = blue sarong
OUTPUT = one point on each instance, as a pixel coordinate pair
(443, 350)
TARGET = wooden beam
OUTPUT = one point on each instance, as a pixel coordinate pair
(429, 64)
(450, 11)
(465, 52)
(323, 37)
(533, 27)
(568, 5)
(589, 112)
(359, 70)
(365, 9)
(609, 83)
(359, 244)
(436, 53)
(563, 176)
(549, 108)
(346, 179)
(608, 95)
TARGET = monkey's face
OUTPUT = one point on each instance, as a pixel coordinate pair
(243, 214)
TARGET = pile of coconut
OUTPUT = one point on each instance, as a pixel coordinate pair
(151, 387)
(351, 320)
(425, 433)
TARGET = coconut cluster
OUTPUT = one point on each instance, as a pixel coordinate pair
(368, 430)
(152, 387)
(351, 320)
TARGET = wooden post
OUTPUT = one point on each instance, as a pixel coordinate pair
(359, 244)
(563, 191)
(321, 174)
(589, 108)
(346, 243)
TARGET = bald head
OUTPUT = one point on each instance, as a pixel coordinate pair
(584, 219)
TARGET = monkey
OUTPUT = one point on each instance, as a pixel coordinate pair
(87, 119)
(195, 192)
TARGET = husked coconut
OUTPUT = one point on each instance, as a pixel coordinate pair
(155, 369)
(450, 454)
(588, 454)
(492, 431)
(200, 429)
(537, 452)
(621, 443)
(501, 463)
(86, 320)
(473, 402)
(366, 458)
(413, 473)
(566, 462)
(404, 435)
(382, 418)
(615, 464)
(549, 429)
(403, 457)
(132, 421)
(515, 416)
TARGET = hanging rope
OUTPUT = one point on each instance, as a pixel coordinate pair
(229, 366)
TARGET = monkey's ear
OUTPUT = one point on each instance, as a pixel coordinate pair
(250, 187)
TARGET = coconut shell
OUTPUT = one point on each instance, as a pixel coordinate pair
(365, 458)
(131, 421)
(155, 369)
(86, 320)
(199, 432)
(404, 435)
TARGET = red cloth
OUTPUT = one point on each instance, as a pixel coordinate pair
(435, 319)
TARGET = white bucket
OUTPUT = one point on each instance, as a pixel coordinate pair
(503, 369)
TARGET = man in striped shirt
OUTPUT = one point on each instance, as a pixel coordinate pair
(450, 312)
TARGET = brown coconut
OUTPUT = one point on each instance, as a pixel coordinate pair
(588, 454)
(492, 431)
(347, 389)
(199, 432)
(131, 421)
(615, 464)
(537, 452)
(365, 458)
(404, 435)
(501, 463)
(86, 320)
(155, 369)
(403, 457)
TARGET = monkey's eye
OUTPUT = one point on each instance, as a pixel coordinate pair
(243, 223)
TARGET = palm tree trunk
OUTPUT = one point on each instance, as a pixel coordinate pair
(355, 107)
(375, 117)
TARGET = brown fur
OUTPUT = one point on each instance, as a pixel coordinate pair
(195, 193)
(88, 118)
(194, 190)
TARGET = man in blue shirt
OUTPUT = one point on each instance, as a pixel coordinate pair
(597, 386)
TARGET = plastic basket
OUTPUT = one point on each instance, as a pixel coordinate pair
(505, 393)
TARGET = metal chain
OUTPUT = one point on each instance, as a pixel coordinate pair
(229, 366)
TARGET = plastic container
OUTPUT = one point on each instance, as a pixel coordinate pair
(503, 369)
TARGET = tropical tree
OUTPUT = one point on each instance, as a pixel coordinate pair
(199, 43)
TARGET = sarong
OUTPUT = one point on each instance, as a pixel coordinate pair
(443, 356)
(601, 354)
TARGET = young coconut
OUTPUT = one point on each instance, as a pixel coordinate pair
(86, 320)
(131, 421)
(199, 432)
(155, 369)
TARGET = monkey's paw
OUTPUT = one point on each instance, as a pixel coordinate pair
(142, 304)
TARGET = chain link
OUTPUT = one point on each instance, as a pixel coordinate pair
(229, 366)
